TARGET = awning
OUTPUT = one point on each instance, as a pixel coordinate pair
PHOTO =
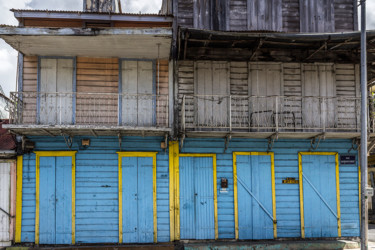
(142, 43)
(195, 44)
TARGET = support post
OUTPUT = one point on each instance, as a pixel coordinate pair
(364, 215)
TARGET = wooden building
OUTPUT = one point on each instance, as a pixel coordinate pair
(211, 120)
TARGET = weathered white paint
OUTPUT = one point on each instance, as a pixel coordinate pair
(265, 79)
(125, 43)
(319, 80)
(212, 80)
(5, 239)
(137, 80)
(56, 76)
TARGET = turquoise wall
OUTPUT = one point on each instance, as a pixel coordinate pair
(97, 184)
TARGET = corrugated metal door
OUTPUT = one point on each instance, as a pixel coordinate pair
(319, 196)
(137, 198)
(196, 198)
(55, 200)
(4, 202)
(254, 197)
(56, 76)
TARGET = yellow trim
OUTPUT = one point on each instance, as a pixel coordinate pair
(120, 199)
(19, 200)
(235, 192)
(235, 189)
(301, 208)
(173, 154)
(215, 198)
(359, 193)
(338, 195)
(176, 177)
(177, 193)
(37, 186)
(74, 199)
(337, 188)
(37, 201)
(273, 195)
(138, 154)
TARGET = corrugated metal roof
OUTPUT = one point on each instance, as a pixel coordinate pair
(86, 12)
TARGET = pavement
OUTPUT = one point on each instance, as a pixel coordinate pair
(229, 245)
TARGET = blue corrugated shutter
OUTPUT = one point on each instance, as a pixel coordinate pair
(319, 195)
(137, 199)
(196, 198)
(254, 197)
(55, 206)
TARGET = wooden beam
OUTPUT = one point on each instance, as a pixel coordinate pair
(47, 132)
(316, 51)
(257, 48)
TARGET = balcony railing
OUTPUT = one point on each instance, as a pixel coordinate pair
(270, 113)
(104, 109)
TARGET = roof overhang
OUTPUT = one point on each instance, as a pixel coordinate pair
(196, 44)
(147, 43)
(85, 130)
(100, 16)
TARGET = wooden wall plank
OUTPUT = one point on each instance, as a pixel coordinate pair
(97, 75)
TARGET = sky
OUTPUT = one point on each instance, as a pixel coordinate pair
(8, 56)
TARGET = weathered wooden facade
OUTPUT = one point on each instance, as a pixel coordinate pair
(213, 120)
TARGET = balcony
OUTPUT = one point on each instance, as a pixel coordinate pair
(264, 116)
(36, 113)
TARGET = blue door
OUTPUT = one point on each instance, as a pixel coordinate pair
(254, 191)
(319, 196)
(197, 219)
(137, 200)
(55, 200)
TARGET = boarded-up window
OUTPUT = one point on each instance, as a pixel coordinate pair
(138, 99)
(317, 16)
(56, 88)
(265, 83)
(264, 15)
(319, 92)
(212, 94)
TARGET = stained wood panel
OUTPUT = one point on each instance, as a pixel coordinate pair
(264, 15)
(347, 88)
(185, 13)
(237, 15)
(291, 15)
(317, 16)
(239, 91)
(186, 88)
(293, 92)
(30, 71)
(345, 15)
(97, 76)
(162, 91)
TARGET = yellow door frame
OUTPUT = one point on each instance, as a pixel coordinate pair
(37, 173)
(300, 171)
(174, 189)
(271, 154)
(17, 237)
(137, 154)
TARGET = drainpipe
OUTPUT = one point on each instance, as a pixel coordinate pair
(364, 210)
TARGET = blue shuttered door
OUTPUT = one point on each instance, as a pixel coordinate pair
(137, 198)
(55, 200)
(196, 198)
(319, 195)
(254, 187)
